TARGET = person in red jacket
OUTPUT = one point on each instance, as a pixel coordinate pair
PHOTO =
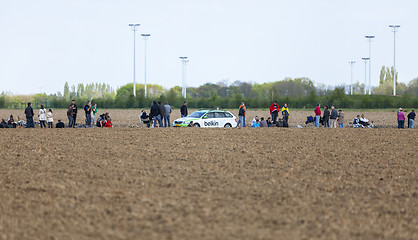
(108, 123)
(274, 111)
(317, 114)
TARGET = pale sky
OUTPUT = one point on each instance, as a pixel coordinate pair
(45, 43)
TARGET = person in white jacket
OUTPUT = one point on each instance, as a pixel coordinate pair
(42, 116)
(50, 119)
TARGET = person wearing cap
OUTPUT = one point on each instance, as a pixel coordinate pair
(401, 118)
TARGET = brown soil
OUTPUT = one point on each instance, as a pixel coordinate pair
(188, 183)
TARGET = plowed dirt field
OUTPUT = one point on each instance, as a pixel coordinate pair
(190, 183)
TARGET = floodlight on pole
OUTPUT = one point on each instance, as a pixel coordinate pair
(184, 61)
(394, 30)
(365, 74)
(145, 36)
(351, 86)
(369, 39)
(134, 27)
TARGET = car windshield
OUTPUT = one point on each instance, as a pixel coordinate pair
(197, 114)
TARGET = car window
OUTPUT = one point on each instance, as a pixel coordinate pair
(219, 115)
(210, 115)
(227, 114)
(197, 114)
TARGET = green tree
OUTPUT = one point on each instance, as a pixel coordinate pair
(66, 91)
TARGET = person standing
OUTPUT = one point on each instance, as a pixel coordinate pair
(317, 114)
(93, 113)
(155, 112)
(333, 117)
(411, 119)
(162, 111)
(167, 111)
(274, 111)
(29, 116)
(50, 119)
(340, 119)
(242, 111)
(401, 118)
(87, 110)
(183, 110)
(70, 114)
(325, 117)
(74, 112)
(42, 116)
(285, 113)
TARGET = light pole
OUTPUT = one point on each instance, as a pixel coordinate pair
(370, 38)
(145, 36)
(184, 61)
(365, 74)
(351, 65)
(134, 27)
(394, 30)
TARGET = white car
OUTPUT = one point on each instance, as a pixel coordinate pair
(208, 118)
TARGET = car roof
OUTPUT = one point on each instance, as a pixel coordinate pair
(216, 110)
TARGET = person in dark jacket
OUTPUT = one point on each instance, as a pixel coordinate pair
(29, 116)
(87, 110)
(411, 119)
(74, 111)
(162, 110)
(183, 110)
(60, 124)
(242, 111)
(325, 117)
(156, 114)
(333, 117)
(70, 114)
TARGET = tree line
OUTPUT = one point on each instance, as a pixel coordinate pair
(298, 93)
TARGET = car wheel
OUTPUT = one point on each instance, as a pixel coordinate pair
(196, 125)
(227, 125)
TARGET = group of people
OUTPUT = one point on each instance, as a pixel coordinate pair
(329, 118)
(46, 118)
(90, 111)
(10, 123)
(273, 121)
(160, 113)
(401, 118)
